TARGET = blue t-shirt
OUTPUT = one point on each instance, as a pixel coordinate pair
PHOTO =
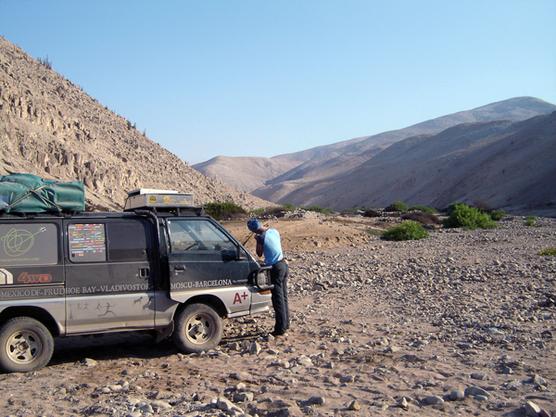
(272, 248)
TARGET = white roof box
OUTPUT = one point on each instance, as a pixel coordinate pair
(145, 198)
(139, 191)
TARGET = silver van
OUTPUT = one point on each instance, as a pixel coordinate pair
(161, 267)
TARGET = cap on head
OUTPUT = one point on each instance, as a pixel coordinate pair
(253, 224)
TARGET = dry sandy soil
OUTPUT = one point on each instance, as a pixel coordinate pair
(459, 324)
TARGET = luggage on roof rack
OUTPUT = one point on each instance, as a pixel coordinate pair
(28, 193)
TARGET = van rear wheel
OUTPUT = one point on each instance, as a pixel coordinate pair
(25, 345)
(197, 328)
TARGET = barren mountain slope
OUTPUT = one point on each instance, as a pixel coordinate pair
(250, 173)
(245, 173)
(497, 163)
(50, 127)
(337, 159)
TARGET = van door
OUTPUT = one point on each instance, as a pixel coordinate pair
(203, 258)
(109, 278)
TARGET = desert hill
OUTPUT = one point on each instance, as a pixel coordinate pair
(50, 127)
(274, 178)
(347, 156)
(246, 173)
(500, 164)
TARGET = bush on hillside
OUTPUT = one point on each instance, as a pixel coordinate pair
(398, 206)
(273, 211)
(258, 212)
(461, 215)
(407, 230)
(548, 252)
(423, 218)
(530, 221)
(318, 209)
(224, 210)
(497, 215)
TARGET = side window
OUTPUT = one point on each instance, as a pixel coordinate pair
(87, 242)
(27, 244)
(127, 241)
(194, 235)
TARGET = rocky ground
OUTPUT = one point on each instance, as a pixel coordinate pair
(459, 324)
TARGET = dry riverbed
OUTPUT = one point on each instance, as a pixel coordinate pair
(460, 324)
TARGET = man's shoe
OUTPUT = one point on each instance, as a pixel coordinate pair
(276, 333)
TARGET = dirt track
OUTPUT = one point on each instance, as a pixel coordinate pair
(380, 328)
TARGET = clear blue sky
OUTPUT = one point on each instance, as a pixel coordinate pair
(266, 77)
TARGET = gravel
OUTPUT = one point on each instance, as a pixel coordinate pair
(458, 324)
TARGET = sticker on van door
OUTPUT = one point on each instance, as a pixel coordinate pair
(28, 278)
(6, 277)
(30, 244)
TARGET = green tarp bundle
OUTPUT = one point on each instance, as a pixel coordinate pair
(27, 193)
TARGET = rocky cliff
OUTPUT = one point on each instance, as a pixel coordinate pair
(50, 127)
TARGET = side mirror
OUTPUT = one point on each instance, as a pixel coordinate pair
(262, 278)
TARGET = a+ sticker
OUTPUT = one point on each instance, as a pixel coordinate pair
(240, 298)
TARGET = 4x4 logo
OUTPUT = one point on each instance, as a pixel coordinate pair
(6, 277)
(27, 278)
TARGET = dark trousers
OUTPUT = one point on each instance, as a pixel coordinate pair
(279, 276)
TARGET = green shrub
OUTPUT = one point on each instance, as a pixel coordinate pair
(276, 211)
(461, 215)
(288, 207)
(497, 215)
(423, 209)
(224, 210)
(530, 221)
(318, 209)
(407, 230)
(258, 212)
(548, 252)
(399, 206)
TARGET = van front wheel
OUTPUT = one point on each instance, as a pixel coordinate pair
(25, 345)
(197, 328)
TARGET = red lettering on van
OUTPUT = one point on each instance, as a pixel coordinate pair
(27, 278)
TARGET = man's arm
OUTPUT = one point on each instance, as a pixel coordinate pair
(260, 244)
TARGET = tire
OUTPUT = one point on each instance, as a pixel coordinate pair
(25, 345)
(197, 328)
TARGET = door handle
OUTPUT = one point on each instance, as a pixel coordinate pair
(144, 272)
(180, 268)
